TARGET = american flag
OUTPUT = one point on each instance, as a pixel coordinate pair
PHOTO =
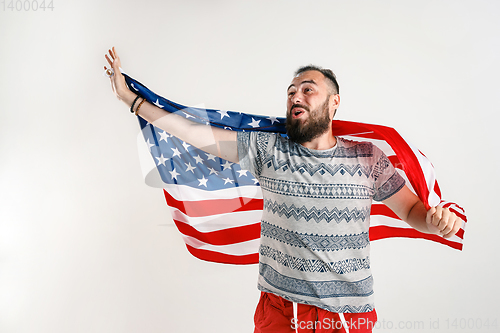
(217, 206)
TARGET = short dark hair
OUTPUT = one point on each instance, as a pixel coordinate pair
(326, 72)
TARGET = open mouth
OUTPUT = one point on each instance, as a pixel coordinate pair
(297, 112)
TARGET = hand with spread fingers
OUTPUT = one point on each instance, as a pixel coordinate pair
(118, 84)
(442, 221)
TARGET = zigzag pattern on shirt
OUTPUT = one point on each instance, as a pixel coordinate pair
(358, 149)
(337, 309)
(317, 289)
(320, 191)
(320, 168)
(314, 265)
(349, 308)
(318, 215)
(315, 242)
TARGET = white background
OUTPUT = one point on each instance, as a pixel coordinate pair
(86, 246)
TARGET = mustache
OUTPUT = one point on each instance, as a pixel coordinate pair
(299, 106)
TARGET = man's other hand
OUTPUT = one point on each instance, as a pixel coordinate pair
(442, 221)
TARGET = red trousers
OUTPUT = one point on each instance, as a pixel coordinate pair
(275, 315)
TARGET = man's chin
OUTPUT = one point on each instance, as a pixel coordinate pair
(298, 122)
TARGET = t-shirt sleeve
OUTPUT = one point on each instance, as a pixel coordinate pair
(387, 179)
(252, 150)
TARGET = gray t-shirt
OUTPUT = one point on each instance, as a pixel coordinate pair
(315, 246)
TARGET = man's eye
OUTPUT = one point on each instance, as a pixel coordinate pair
(307, 90)
(291, 93)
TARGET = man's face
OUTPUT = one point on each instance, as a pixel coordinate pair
(309, 112)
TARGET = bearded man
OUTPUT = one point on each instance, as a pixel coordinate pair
(314, 256)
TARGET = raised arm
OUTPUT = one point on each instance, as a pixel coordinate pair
(213, 140)
(437, 220)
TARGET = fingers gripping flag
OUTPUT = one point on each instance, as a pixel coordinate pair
(217, 206)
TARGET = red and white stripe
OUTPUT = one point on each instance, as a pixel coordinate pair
(216, 225)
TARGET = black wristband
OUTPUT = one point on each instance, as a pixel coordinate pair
(132, 106)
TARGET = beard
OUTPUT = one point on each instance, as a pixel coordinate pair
(317, 124)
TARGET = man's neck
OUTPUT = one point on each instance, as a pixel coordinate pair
(322, 142)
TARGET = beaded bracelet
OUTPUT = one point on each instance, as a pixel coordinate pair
(132, 106)
(139, 106)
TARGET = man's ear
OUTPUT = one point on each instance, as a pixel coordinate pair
(334, 104)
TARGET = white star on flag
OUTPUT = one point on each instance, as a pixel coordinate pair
(228, 180)
(211, 157)
(161, 160)
(198, 159)
(174, 174)
(223, 114)
(212, 170)
(164, 136)
(157, 103)
(227, 165)
(150, 144)
(242, 173)
(190, 167)
(273, 119)
(176, 152)
(185, 145)
(203, 181)
(254, 123)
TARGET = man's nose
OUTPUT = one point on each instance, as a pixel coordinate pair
(297, 98)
